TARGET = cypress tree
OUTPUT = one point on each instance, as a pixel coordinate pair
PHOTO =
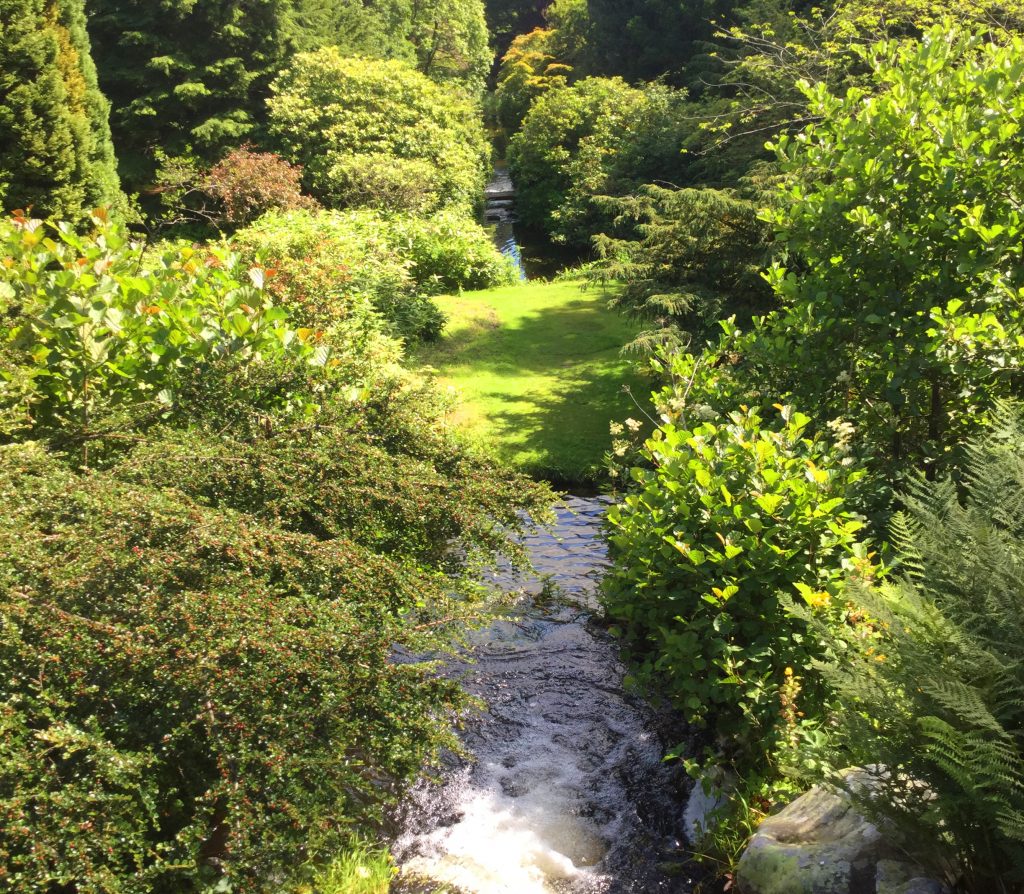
(56, 153)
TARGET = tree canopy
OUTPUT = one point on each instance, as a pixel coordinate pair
(377, 133)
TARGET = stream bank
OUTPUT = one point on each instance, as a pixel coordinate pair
(566, 792)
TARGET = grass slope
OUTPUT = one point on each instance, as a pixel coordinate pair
(539, 372)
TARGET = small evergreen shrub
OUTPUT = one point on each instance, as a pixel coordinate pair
(697, 257)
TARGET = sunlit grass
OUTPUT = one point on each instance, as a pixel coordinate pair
(361, 870)
(539, 372)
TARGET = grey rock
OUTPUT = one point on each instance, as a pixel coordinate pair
(900, 877)
(707, 795)
(820, 844)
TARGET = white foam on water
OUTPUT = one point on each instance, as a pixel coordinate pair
(503, 845)
(497, 847)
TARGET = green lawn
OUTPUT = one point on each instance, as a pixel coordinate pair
(539, 372)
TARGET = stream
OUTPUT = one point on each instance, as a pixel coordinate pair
(566, 791)
(500, 214)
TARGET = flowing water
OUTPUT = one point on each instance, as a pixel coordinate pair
(500, 214)
(566, 791)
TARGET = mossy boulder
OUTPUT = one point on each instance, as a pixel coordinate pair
(820, 844)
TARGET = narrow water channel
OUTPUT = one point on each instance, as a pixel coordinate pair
(566, 791)
(500, 215)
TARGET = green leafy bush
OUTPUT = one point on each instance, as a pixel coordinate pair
(935, 697)
(726, 513)
(332, 265)
(901, 216)
(92, 333)
(354, 124)
(445, 39)
(598, 137)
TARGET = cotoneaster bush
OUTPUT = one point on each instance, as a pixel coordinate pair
(193, 691)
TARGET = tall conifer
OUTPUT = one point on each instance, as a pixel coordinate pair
(55, 149)
(187, 78)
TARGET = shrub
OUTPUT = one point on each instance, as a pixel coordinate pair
(598, 137)
(216, 695)
(698, 257)
(250, 183)
(199, 636)
(935, 697)
(92, 334)
(901, 216)
(725, 514)
(355, 122)
(331, 266)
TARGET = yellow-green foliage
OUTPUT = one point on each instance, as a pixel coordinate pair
(378, 133)
(328, 265)
(901, 215)
(728, 511)
(362, 869)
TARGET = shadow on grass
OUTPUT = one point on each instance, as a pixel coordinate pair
(572, 352)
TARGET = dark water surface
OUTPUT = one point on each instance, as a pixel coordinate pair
(567, 791)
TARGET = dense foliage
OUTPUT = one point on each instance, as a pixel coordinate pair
(598, 137)
(56, 154)
(904, 297)
(698, 256)
(935, 694)
(93, 338)
(444, 39)
(896, 213)
(199, 685)
(327, 266)
(379, 134)
(184, 79)
(729, 511)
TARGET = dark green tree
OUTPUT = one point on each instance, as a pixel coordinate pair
(645, 39)
(185, 77)
(508, 18)
(55, 149)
